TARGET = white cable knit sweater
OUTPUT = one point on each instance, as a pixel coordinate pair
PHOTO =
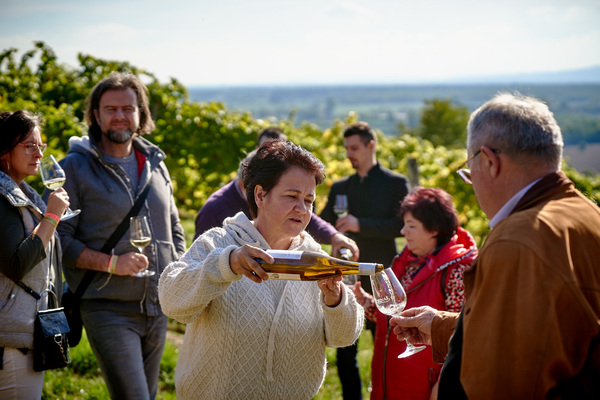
(246, 340)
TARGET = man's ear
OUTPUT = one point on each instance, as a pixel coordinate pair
(491, 161)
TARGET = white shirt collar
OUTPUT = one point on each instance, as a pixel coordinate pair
(510, 204)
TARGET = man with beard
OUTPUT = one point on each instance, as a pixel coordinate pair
(374, 196)
(106, 172)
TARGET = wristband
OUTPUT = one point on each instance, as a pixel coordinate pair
(51, 221)
(113, 264)
(53, 216)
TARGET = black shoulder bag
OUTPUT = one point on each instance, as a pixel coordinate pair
(50, 330)
(71, 301)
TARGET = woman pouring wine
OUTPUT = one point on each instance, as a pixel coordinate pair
(249, 336)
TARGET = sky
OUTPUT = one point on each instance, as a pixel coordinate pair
(290, 42)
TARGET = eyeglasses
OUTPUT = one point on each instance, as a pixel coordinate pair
(34, 148)
(465, 173)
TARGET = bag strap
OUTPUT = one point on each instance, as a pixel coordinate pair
(112, 240)
(29, 290)
(37, 296)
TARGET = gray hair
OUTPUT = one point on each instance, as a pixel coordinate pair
(521, 127)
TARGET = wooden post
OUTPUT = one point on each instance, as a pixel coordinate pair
(413, 172)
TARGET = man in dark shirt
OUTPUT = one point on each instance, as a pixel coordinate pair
(374, 196)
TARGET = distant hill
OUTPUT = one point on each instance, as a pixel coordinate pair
(574, 76)
(584, 158)
(385, 107)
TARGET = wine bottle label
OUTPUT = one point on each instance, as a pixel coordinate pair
(288, 277)
(286, 254)
(367, 269)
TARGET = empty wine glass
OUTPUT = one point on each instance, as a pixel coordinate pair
(340, 208)
(53, 177)
(390, 299)
(140, 237)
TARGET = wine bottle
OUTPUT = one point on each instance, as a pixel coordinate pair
(311, 266)
(346, 254)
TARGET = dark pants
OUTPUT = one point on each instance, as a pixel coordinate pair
(348, 372)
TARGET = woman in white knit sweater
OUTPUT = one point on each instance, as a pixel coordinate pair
(250, 337)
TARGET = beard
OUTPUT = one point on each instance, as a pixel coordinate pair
(119, 137)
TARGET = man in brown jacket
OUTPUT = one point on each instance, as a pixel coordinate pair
(530, 326)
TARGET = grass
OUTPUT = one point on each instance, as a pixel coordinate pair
(82, 380)
(331, 388)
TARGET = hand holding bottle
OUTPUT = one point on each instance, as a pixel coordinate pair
(242, 261)
(332, 290)
(340, 241)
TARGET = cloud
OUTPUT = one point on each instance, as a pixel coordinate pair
(348, 10)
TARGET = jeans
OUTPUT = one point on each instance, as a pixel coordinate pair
(128, 347)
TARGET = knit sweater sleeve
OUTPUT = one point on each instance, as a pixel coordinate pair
(344, 322)
(187, 286)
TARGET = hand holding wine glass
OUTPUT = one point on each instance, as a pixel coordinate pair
(390, 299)
(53, 177)
(140, 237)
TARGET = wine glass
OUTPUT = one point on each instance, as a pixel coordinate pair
(53, 177)
(140, 237)
(390, 299)
(341, 205)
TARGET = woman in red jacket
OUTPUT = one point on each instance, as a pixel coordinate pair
(430, 268)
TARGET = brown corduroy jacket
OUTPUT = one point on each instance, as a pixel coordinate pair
(531, 323)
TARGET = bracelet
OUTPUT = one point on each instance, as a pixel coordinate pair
(50, 220)
(53, 216)
(112, 264)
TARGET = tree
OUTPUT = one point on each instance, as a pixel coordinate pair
(443, 123)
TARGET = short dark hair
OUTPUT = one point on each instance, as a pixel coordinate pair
(271, 133)
(271, 161)
(16, 126)
(362, 129)
(434, 209)
(118, 81)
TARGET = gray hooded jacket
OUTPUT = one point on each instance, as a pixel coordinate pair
(104, 193)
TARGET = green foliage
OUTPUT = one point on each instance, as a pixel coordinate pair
(205, 141)
(589, 185)
(443, 122)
